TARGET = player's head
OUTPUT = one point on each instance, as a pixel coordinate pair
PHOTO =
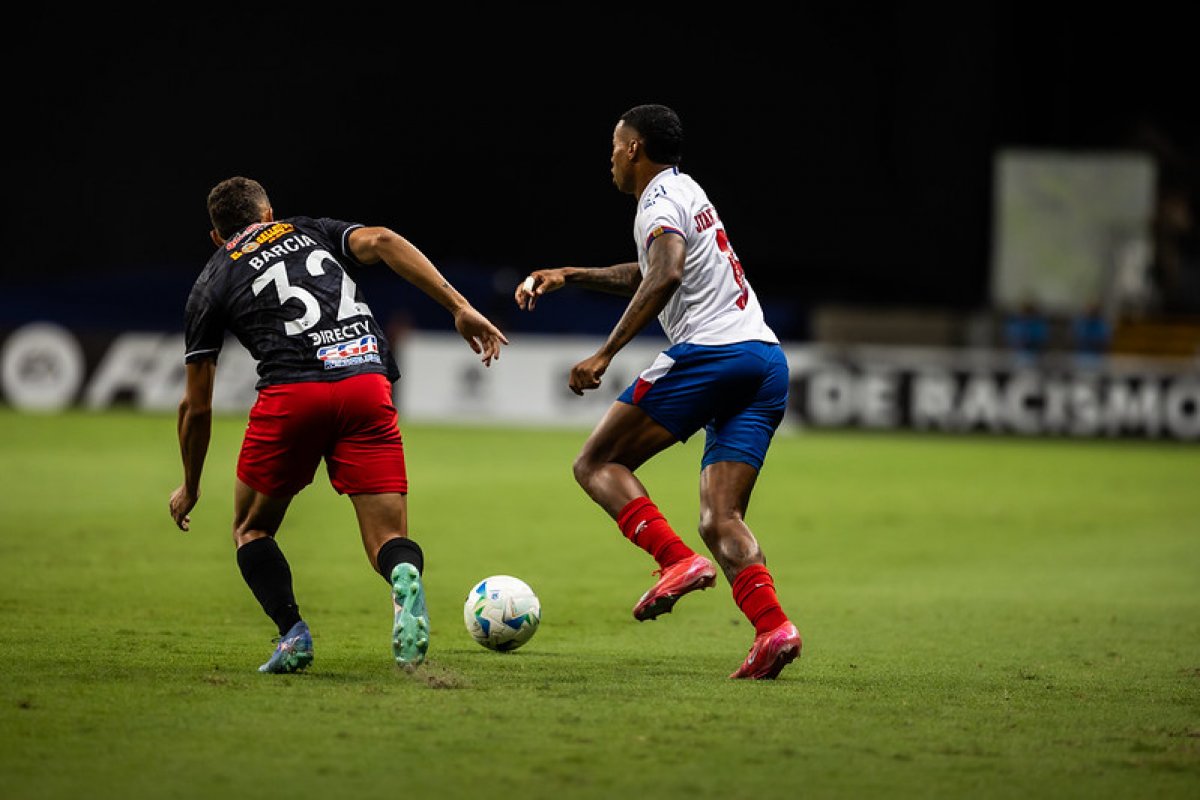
(645, 133)
(235, 203)
(660, 130)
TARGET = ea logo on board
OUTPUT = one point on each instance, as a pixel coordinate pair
(42, 367)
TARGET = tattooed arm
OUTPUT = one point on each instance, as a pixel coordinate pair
(663, 276)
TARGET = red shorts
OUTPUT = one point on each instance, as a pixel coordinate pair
(351, 423)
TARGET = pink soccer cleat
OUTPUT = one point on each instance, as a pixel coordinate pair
(686, 575)
(770, 653)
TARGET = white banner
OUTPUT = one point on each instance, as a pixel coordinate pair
(442, 380)
(44, 368)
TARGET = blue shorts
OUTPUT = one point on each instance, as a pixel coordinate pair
(736, 392)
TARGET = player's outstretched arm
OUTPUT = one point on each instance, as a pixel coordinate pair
(371, 245)
(622, 279)
(663, 275)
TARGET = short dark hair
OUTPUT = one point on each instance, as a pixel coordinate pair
(235, 203)
(660, 129)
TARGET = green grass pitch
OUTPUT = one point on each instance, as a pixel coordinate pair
(983, 618)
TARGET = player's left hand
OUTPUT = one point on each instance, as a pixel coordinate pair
(586, 374)
(483, 337)
(182, 502)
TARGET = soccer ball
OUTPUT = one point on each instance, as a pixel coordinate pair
(502, 612)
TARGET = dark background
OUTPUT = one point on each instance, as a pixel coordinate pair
(849, 150)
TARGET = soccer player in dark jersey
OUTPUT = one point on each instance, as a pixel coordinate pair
(284, 289)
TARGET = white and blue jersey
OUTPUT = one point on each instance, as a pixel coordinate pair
(724, 371)
(715, 303)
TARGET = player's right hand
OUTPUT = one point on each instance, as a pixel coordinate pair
(182, 502)
(536, 284)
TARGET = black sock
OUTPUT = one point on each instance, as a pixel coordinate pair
(268, 575)
(399, 551)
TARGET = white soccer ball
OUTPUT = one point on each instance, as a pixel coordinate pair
(502, 612)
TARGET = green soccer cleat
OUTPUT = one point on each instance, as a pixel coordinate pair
(293, 652)
(410, 627)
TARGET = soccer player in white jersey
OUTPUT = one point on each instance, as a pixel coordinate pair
(724, 372)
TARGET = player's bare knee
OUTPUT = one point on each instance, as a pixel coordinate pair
(715, 528)
(584, 470)
(243, 536)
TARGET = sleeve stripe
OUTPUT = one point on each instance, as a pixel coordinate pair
(346, 241)
(659, 231)
(186, 356)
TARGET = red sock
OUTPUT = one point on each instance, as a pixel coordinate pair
(643, 524)
(754, 593)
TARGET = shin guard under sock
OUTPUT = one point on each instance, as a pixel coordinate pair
(399, 551)
(754, 593)
(269, 577)
(643, 524)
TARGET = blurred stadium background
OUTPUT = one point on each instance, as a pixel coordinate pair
(980, 221)
(971, 219)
